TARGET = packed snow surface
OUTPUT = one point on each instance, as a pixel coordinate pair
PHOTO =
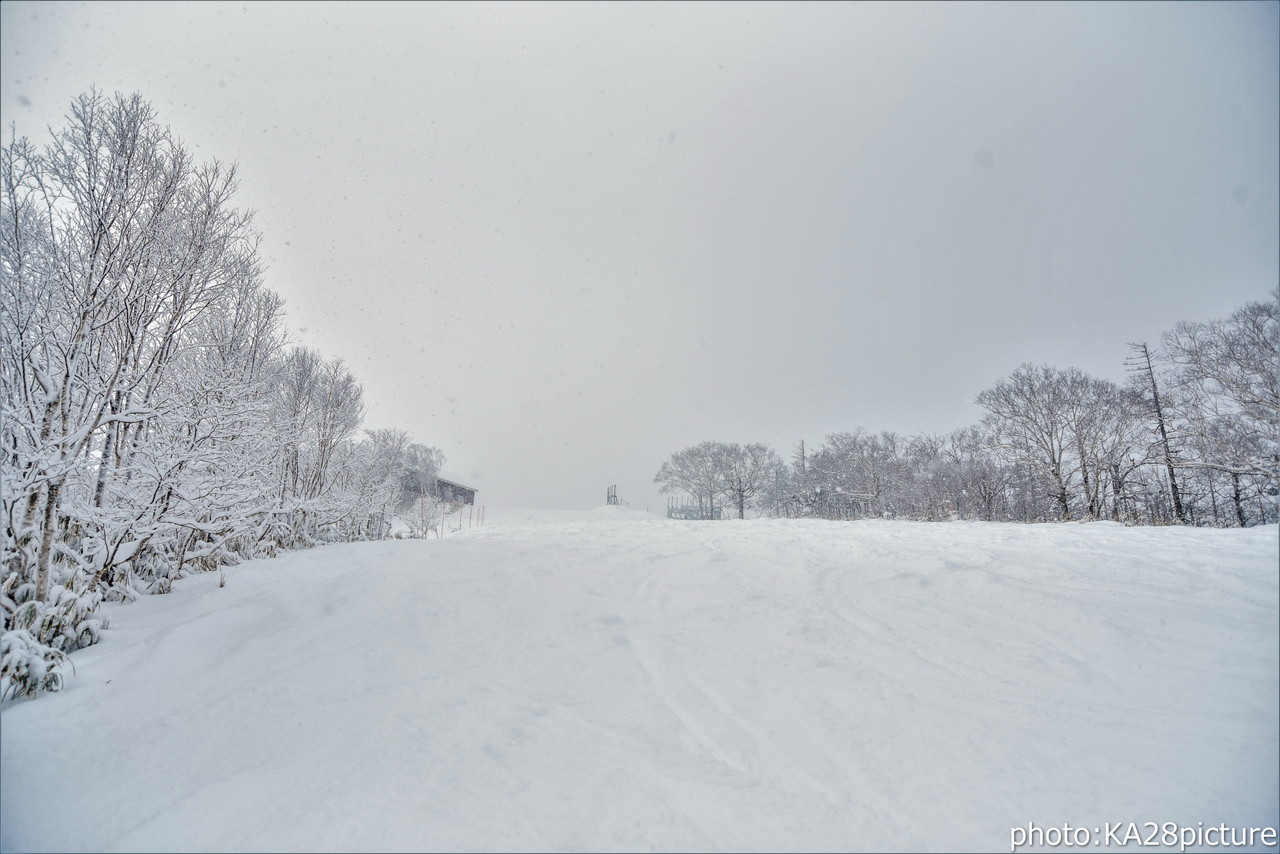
(610, 680)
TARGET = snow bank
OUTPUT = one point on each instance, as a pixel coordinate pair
(612, 680)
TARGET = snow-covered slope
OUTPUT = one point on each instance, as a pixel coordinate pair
(611, 680)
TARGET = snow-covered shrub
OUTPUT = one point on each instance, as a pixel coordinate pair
(27, 666)
(425, 515)
(37, 635)
(65, 621)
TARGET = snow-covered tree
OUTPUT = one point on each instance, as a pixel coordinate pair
(697, 471)
(153, 422)
(1227, 377)
(748, 471)
(1030, 414)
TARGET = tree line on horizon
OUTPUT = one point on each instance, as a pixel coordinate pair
(156, 421)
(1192, 437)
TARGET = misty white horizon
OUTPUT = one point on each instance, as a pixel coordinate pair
(562, 241)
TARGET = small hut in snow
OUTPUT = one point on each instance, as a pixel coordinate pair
(449, 488)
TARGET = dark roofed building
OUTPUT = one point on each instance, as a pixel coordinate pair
(448, 489)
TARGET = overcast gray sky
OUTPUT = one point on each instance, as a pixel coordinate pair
(562, 240)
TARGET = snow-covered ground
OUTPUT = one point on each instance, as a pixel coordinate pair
(611, 680)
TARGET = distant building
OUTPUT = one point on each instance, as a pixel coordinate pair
(448, 489)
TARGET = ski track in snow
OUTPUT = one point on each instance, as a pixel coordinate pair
(609, 680)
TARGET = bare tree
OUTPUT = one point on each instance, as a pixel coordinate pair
(1030, 419)
(1143, 364)
(697, 471)
(747, 470)
(982, 478)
